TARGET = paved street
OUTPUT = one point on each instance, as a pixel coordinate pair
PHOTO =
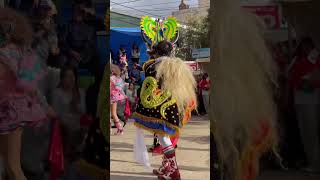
(193, 153)
(193, 156)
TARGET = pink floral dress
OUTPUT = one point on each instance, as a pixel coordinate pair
(116, 89)
(18, 106)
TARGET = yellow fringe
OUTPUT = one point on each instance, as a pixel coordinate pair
(156, 120)
(88, 169)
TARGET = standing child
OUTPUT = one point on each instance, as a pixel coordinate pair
(132, 95)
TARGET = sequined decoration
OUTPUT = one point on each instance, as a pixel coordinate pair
(150, 95)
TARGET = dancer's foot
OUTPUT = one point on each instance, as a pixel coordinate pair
(162, 168)
(171, 170)
(119, 128)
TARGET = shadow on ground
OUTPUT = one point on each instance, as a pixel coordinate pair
(197, 139)
(121, 145)
(121, 150)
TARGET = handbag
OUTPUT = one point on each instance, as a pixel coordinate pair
(56, 158)
(127, 110)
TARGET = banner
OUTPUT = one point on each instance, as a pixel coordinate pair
(269, 13)
(193, 65)
(201, 53)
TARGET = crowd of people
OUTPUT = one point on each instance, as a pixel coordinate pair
(127, 75)
(40, 59)
(298, 102)
(126, 81)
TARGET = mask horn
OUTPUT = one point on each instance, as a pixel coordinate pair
(145, 38)
(176, 38)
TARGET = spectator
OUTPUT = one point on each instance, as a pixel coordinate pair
(117, 95)
(121, 53)
(92, 20)
(135, 74)
(204, 86)
(69, 103)
(201, 107)
(80, 42)
(125, 74)
(304, 79)
(19, 106)
(46, 43)
(123, 61)
(135, 54)
(132, 96)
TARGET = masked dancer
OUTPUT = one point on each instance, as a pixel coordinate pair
(167, 94)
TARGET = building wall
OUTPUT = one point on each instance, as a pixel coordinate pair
(200, 11)
(183, 15)
(204, 3)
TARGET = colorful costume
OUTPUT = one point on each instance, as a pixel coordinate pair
(166, 100)
(116, 89)
(18, 107)
(243, 111)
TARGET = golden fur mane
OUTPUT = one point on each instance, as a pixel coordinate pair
(244, 77)
(176, 77)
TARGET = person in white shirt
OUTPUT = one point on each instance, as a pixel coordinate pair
(135, 54)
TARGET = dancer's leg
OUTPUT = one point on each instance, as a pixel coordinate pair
(116, 118)
(10, 152)
(169, 168)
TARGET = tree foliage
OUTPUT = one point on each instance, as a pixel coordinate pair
(193, 34)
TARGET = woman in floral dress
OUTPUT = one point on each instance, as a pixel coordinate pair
(116, 94)
(19, 100)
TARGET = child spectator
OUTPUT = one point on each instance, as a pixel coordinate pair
(69, 103)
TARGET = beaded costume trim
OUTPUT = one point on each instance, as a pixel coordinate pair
(158, 121)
